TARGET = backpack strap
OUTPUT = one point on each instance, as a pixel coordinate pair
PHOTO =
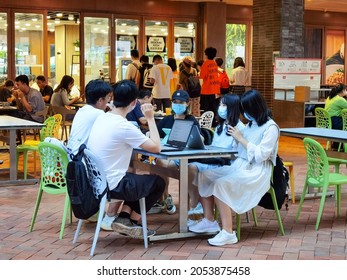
(186, 73)
(80, 153)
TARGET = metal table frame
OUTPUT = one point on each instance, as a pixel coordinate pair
(182, 176)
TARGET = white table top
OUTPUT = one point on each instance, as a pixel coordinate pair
(190, 153)
(316, 132)
(8, 122)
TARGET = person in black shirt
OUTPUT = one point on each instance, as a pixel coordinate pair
(45, 89)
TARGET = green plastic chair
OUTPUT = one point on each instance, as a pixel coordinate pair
(338, 158)
(54, 162)
(318, 176)
(271, 191)
(323, 120)
(50, 129)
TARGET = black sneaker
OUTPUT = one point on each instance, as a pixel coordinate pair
(156, 208)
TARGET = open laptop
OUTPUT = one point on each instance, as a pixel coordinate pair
(195, 141)
(178, 136)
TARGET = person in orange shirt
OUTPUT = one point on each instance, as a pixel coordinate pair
(210, 81)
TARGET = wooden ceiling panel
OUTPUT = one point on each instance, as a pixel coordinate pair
(319, 5)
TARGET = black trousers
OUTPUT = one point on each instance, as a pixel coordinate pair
(132, 187)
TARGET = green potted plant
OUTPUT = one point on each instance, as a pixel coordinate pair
(76, 43)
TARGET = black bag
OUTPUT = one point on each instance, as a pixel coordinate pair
(194, 86)
(84, 202)
(280, 178)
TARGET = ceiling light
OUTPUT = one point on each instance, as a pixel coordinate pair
(59, 14)
(57, 21)
(123, 24)
(70, 17)
(157, 23)
(34, 19)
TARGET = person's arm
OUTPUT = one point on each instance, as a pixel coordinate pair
(23, 100)
(153, 143)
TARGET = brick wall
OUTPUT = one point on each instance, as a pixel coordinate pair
(277, 26)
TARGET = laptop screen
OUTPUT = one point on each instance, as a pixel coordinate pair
(180, 133)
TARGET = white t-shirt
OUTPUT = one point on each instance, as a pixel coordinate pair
(112, 139)
(81, 127)
(162, 74)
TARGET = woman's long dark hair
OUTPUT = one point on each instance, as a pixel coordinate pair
(232, 101)
(64, 83)
(253, 103)
(336, 90)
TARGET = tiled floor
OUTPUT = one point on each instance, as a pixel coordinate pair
(263, 242)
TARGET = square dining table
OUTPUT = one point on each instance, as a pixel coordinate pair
(12, 124)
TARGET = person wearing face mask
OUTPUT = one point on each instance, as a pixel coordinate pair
(228, 115)
(240, 186)
(179, 110)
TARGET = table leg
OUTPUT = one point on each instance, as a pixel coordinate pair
(183, 195)
(13, 160)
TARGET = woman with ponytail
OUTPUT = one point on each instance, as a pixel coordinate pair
(335, 103)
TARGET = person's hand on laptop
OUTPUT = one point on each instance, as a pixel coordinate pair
(147, 110)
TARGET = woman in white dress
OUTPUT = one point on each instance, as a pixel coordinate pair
(240, 186)
(228, 114)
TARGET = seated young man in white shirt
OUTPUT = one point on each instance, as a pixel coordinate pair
(113, 139)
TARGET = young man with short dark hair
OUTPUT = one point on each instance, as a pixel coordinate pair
(113, 139)
(29, 100)
(45, 89)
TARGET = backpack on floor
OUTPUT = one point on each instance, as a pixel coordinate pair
(84, 202)
(279, 182)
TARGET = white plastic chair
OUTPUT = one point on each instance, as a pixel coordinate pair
(99, 183)
(206, 119)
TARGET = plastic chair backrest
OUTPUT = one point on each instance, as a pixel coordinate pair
(47, 130)
(206, 119)
(344, 119)
(323, 119)
(58, 119)
(43, 113)
(63, 111)
(95, 172)
(317, 163)
(54, 161)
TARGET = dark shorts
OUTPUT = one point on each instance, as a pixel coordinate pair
(132, 187)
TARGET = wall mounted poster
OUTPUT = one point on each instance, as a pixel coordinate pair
(186, 44)
(155, 44)
(291, 72)
(334, 57)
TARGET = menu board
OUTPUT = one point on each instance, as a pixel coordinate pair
(290, 72)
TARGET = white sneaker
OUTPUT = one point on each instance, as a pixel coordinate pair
(191, 222)
(198, 210)
(107, 221)
(205, 226)
(223, 238)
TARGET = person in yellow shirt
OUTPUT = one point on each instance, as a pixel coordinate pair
(174, 80)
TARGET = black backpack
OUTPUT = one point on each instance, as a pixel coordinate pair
(280, 178)
(84, 202)
(146, 79)
(194, 86)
